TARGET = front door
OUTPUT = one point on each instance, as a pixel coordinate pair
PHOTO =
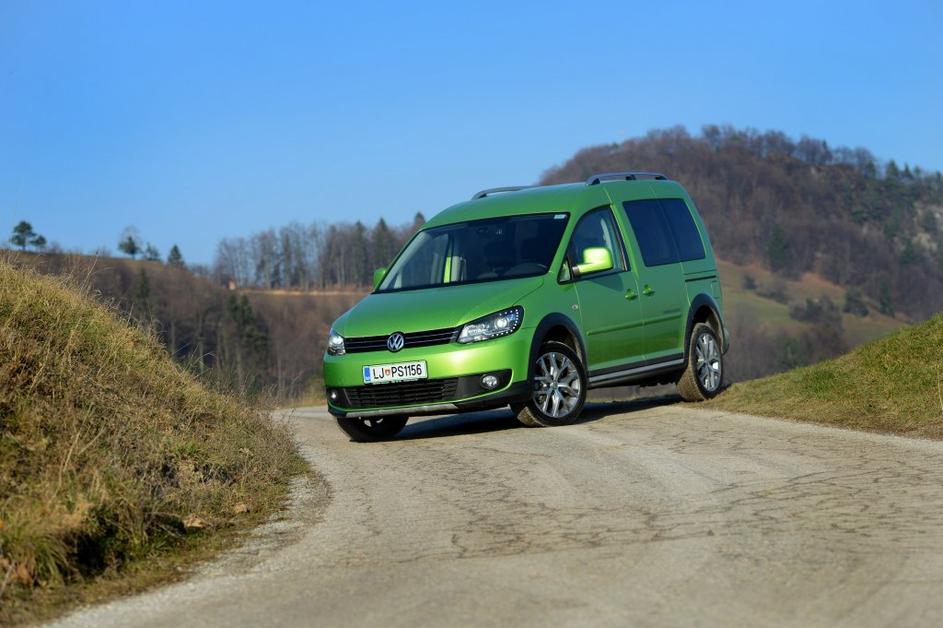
(609, 301)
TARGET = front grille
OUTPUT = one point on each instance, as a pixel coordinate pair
(412, 339)
(401, 394)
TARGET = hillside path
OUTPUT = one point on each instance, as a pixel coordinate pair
(645, 514)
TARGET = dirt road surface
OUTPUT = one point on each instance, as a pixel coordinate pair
(645, 514)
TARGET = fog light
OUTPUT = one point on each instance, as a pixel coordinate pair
(489, 381)
(333, 395)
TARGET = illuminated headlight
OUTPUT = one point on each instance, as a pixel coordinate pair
(335, 343)
(492, 326)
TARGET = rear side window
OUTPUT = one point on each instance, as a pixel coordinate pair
(652, 232)
(685, 232)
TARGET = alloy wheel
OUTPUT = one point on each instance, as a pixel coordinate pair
(557, 385)
(708, 363)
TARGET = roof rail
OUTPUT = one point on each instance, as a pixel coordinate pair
(624, 176)
(490, 191)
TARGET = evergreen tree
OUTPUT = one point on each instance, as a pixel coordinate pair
(854, 303)
(175, 258)
(360, 255)
(151, 254)
(142, 296)
(418, 221)
(130, 242)
(929, 222)
(885, 300)
(892, 171)
(777, 249)
(909, 255)
(24, 236)
(383, 244)
(251, 348)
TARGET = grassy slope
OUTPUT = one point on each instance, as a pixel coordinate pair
(775, 315)
(889, 385)
(110, 454)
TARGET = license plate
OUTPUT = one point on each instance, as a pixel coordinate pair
(398, 372)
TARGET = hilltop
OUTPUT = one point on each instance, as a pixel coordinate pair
(796, 207)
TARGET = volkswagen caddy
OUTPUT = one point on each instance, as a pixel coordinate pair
(528, 297)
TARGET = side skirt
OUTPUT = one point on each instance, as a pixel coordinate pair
(636, 372)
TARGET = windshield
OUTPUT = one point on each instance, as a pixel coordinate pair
(477, 251)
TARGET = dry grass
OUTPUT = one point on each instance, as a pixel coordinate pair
(893, 385)
(111, 454)
(313, 396)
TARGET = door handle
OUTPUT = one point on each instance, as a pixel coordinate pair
(647, 290)
(630, 294)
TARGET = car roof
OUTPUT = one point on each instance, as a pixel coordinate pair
(573, 198)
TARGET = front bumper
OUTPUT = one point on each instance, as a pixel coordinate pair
(516, 392)
(453, 384)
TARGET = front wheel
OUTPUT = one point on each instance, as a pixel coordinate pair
(705, 370)
(372, 429)
(559, 388)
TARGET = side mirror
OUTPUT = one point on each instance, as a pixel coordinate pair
(378, 276)
(595, 259)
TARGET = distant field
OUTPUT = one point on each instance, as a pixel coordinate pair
(774, 315)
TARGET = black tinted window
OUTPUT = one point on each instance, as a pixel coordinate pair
(479, 250)
(683, 228)
(652, 232)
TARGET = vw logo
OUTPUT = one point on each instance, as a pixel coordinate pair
(395, 342)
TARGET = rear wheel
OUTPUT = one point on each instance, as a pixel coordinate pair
(368, 430)
(559, 388)
(704, 373)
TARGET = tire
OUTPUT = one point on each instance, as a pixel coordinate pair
(523, 417)
(559, 370)
(372, 430)
(704, 373)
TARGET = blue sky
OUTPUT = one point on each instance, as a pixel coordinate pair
(198, 120)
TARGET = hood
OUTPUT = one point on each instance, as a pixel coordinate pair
(432, 308)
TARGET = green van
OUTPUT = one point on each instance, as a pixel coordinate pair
(528, 297)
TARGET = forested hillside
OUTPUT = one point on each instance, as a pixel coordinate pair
(799, 206)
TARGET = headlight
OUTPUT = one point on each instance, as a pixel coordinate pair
(335, 343)
(492, 326)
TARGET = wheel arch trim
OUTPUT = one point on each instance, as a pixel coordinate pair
(697, 303)
(547, 323)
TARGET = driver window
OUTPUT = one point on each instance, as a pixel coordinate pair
(597, 229)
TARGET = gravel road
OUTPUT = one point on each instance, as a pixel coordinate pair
(648, 513)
